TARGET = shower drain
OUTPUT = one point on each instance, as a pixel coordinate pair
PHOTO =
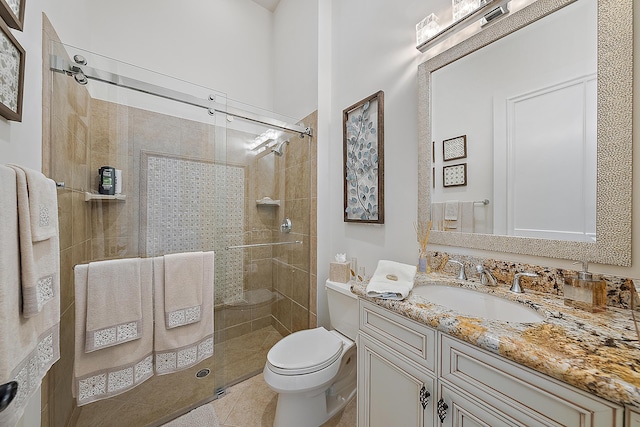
(203, 373)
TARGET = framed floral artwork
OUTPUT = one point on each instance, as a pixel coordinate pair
(363, 151)
(12, 12)
(12, 57)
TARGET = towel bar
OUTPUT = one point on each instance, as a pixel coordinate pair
(258, 245)
(484, 202)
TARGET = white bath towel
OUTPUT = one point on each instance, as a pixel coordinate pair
(28, 347)
(114, 305)
(183, 275)
(391, 280)
(180, 348)
(467, 217)
(39, 260)
(111, 371)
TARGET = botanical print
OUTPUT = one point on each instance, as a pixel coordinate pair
(9, 73)
(362, 162)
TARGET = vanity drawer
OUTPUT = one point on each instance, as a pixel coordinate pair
(412, 339)
(521, 392)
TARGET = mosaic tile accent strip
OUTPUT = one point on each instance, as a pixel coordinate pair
(186, 316)
(9, 73)
(198, 206)
(31, 371)
(97, 386)
(182, 358)
(114, 335)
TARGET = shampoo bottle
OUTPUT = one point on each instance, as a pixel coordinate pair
(585, 292)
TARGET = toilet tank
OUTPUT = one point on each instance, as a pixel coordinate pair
(343, 308)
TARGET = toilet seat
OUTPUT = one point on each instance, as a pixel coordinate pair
(304, 352)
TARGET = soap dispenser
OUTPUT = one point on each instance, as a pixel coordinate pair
(585, 292)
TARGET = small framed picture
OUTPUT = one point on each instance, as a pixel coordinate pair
(454, 175)
(454, 148)
(12, 11)
(11, 75)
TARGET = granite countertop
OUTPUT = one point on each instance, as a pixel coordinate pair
(595, 352)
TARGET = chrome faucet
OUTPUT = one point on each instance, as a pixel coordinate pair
(485, 276)
(461, 273)
(515, 288)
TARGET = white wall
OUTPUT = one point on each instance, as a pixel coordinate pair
(373, 48)
(295, 42)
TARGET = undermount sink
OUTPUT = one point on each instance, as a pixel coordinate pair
(478, 304)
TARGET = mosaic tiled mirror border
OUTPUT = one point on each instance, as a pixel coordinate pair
(615, 77)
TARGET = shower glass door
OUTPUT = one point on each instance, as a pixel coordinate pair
(196, 176)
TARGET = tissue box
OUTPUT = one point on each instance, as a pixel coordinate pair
(340, 272)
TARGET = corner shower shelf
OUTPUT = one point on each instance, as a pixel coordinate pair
(267, 201)
(88, 197)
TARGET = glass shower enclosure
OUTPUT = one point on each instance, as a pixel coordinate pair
(198, 172)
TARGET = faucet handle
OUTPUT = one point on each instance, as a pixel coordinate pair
(516, 288)
(461, 274)
(486, 276)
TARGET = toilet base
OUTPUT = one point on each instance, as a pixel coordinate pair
(312, 411)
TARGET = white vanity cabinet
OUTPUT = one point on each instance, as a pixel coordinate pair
(633, 418)
(467, 386)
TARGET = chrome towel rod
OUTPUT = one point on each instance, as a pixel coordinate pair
(484, 202)
(259, 245)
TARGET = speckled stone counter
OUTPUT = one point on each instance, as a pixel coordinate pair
(596, 352)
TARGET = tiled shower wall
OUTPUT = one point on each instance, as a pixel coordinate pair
(197, 206)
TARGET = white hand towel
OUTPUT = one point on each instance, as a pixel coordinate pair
(111, 371)
(43, 204)
(183, 275)
(28, 347)
(437, 215)
(391, 280)
(467, 217)
(114, 305)
(451, 214)
(39, 260)
(180, 348)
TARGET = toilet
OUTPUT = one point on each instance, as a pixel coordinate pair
(314, 370)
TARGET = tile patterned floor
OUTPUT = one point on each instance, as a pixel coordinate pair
(252, 403)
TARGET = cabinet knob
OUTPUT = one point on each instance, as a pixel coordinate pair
(442, 410)
(424, 397)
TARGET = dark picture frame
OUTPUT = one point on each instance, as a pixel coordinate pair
(11, 75)
(12, 12)
(454, 148)
(363, 160)
(454, 175)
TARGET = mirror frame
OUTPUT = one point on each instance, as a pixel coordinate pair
(615, 139)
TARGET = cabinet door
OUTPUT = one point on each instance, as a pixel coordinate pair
(457, 410)
(633, 418)
(391, 389)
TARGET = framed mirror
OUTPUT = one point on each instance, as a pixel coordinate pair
(603, 177)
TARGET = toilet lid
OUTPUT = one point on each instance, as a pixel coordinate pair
(305, 351)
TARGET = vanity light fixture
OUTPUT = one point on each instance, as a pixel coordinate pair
(263, 139)
(465, 14)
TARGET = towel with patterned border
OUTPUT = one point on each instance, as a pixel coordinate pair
(176, 349)
(39, 259)
(111, 371)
